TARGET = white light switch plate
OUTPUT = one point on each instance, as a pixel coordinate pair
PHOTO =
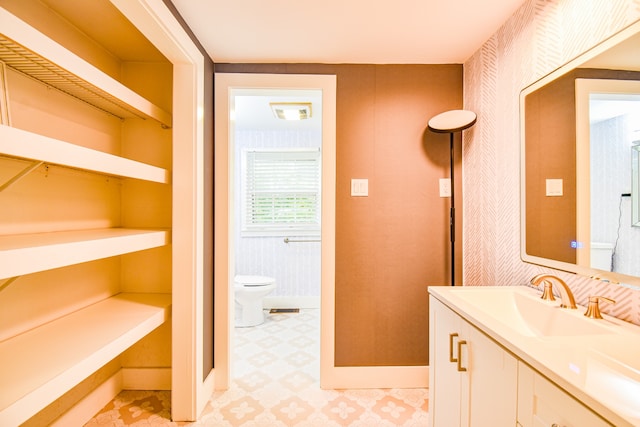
(445, 187)
(359, 187)
(554, 187)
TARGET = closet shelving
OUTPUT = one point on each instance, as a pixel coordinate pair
(39, 365)
(42, 364)
(52, 151)
(22, 254)
(30, 52)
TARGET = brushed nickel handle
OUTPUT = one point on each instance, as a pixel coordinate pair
(460, 367)
(451, 337)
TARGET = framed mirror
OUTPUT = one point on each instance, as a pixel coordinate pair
(580, 157)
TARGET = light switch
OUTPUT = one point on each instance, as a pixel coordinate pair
(359, 187)
(445, 187)
(554, 187)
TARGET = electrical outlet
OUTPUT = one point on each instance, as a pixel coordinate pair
(445, 187)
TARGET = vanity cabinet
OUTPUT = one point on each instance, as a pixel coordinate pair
(473, 381)
(542, 403)
(86, 196)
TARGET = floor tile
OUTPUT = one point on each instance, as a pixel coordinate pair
(275, 383)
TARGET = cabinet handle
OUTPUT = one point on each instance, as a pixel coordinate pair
(451, 337)
(460, 344)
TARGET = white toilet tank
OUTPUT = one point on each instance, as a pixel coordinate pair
(601, 255)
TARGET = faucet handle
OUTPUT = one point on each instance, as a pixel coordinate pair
(593, 309)
(547, 292)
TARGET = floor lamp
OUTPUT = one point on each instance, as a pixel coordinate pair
(451, 122)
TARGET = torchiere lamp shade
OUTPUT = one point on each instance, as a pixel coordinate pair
(452, 121)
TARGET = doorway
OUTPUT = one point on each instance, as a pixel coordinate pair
(227, 86)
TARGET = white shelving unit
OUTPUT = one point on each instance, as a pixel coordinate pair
(42, 363)
(49, 150)
(30, 253)
(28, 51)
(38, 366)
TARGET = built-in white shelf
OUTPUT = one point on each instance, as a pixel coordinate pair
(40, 365)
(19, 143)
(30, 253)
(69, 73)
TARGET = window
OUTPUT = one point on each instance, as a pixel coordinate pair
(281, 192)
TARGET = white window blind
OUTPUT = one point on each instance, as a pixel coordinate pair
(281, 192)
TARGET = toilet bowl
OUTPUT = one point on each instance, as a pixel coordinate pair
(249, 292)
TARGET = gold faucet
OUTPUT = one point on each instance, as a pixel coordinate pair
(547, 293)
(593, 310)
(568, 301)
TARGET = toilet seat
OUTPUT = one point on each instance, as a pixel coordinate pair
(253, 281)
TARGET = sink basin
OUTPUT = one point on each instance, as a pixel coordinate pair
(522, 310)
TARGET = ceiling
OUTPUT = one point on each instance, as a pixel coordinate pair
(339, 31)
(251, 109)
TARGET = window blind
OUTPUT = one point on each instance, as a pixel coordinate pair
(281, 191)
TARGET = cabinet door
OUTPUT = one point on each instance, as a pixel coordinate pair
(492, 382)
(444, 378)
(473, 381)
(542, 404)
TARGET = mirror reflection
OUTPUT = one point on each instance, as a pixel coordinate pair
(580, 161)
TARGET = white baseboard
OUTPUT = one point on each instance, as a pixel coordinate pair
(375, 377)
(146, 378)
(291, 302)
(93, 402)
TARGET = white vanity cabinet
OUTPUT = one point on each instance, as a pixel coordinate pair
(542, 403)
(473, 381)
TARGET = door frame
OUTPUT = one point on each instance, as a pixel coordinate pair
(191, 386)
(223, 205)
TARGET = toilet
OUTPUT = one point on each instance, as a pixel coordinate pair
(249, 292)
(601, 254)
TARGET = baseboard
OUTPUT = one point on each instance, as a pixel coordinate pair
(146, 378)
(375, 377)
(291, 302)
(92, 403)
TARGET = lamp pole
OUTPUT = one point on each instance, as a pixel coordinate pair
(450, 122)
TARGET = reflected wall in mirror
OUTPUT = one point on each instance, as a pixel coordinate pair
(579, 163)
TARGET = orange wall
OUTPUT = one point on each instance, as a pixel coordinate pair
(391, 245)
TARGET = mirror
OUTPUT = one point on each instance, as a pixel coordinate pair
(580, 162)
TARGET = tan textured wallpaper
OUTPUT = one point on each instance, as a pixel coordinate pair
(393, 243)
(541, 36)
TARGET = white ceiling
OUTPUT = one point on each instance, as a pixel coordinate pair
(251, 110)
(344, 31)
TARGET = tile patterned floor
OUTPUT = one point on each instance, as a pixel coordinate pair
(276, 384)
